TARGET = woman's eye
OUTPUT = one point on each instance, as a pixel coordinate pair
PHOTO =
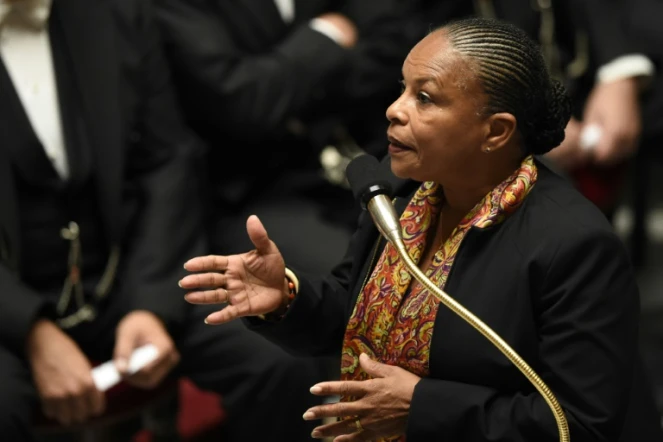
(423, 98)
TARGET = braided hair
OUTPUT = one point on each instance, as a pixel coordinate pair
(514, 76)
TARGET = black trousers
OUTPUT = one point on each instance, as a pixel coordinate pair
(265, 391)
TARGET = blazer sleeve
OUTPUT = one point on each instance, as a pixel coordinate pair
(20, 306)
(587, 314)
(315, 322)
(252, 94)
(607, 30)
(643, 24)
(168, 228)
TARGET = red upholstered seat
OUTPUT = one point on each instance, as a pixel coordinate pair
(602, 186)
(200, 413)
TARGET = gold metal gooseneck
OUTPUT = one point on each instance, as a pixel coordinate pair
(379, 207)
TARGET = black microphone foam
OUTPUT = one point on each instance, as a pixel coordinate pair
(364, 178)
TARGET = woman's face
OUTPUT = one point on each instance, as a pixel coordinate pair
(436, 129)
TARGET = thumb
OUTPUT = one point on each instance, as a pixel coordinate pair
(258, 235)
(124, 346)
(373, 368)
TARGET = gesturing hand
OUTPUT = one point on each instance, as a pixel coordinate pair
(381, 410)
(252, 283)
(62, 375)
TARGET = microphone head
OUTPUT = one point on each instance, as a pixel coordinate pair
(364, 178)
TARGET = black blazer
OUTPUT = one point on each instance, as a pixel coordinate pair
(554, 281)
(143, 154)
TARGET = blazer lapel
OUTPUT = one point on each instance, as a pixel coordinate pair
(20, 151)
(88, 30)
(22, 144)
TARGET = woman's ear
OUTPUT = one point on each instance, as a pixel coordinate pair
(501, 129)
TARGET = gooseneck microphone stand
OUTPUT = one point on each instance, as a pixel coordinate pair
(373, 193)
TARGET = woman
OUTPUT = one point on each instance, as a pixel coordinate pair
(495, 229)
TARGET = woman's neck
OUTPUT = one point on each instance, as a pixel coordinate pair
(458, 202)
(460, 198)
(455, 206)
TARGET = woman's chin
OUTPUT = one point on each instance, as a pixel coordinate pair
(407, 170)
(400, 169)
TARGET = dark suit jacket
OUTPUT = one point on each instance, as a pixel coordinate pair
(143, 155)
(272, 94)
(243, 68)
(554, 281)
(601, 22)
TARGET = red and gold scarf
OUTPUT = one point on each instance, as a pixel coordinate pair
(395, 327)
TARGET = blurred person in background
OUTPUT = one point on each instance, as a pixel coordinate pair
(99, 206)
(268, 84)
(643, 19)
(587, 46)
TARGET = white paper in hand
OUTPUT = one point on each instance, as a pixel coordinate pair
(590, 136)
(106, 375)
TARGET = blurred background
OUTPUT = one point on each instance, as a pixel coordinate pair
(279, 95)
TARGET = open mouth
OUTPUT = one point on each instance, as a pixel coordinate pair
(396, 144)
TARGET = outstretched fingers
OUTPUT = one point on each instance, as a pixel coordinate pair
(203, 281)
(217, 296)
(210, 263)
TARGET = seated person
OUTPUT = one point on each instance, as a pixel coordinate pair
(99, 206)
(268, 84)
(506, 237)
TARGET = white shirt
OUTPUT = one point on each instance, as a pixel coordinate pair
(626, 66)
(286, 9)
(26, 53)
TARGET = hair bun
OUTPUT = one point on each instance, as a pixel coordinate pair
(548, 130)
(515, 79)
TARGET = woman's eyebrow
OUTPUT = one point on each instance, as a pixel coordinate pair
(422, 80)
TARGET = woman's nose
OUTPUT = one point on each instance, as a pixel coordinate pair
(396, 112)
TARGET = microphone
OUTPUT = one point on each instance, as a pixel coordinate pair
(373, 193)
